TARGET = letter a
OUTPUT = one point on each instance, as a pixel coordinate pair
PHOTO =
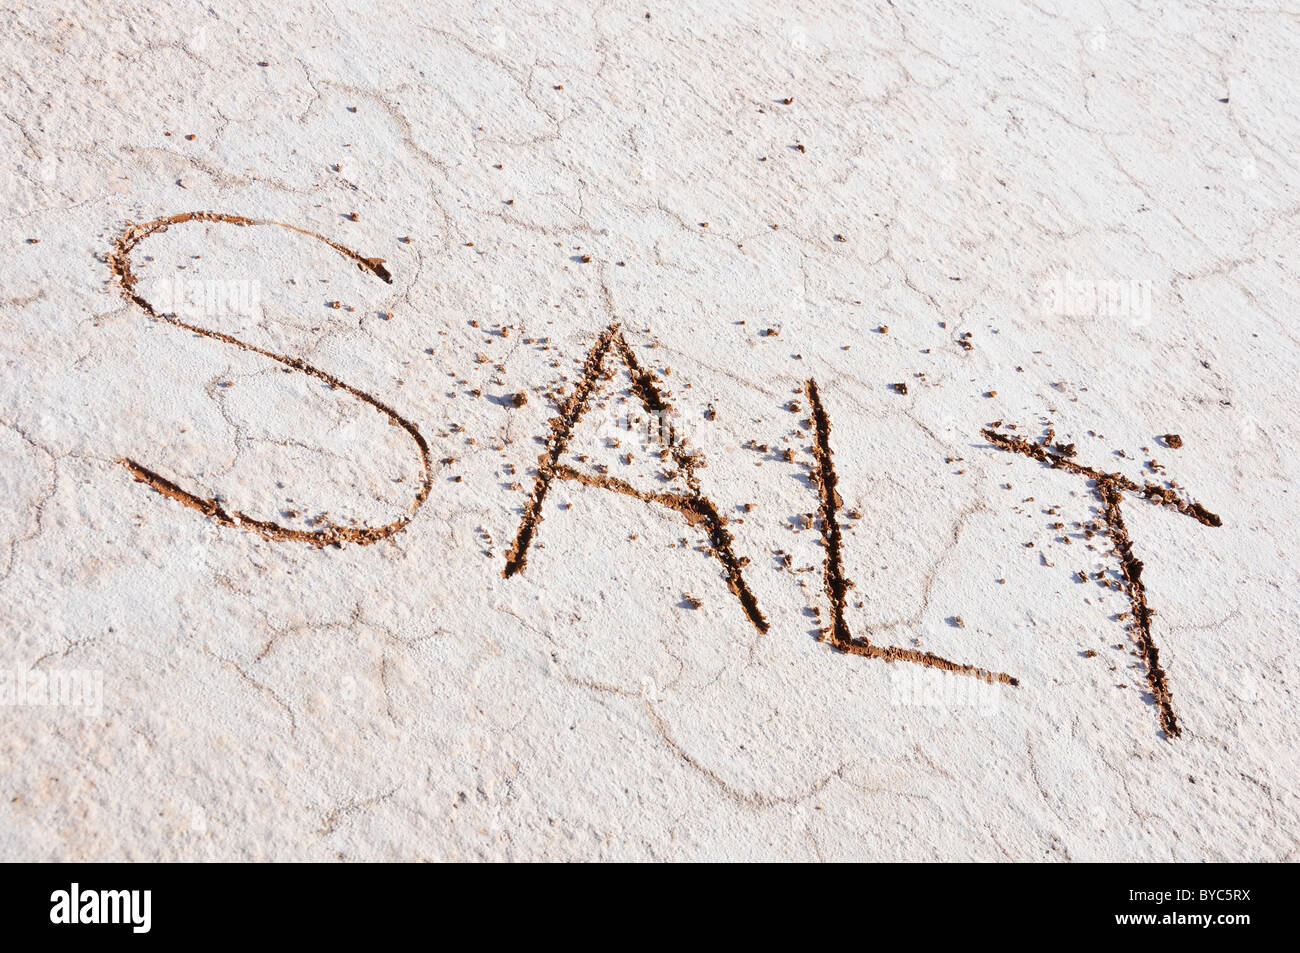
(698, 510)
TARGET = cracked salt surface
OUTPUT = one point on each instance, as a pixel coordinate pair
(1075, 238)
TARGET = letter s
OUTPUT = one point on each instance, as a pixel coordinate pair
(119, 261)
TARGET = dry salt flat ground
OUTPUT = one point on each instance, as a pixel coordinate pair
(1076, 222)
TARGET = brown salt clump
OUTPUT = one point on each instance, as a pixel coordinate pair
(519, 399)
(1173, 440)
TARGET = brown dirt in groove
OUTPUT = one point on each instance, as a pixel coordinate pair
(119, 262)
(1110, 488)
(593, 369)
(1165, 496)
(698, 510)
(674, 501)
(1131, 568)
(837, 584)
